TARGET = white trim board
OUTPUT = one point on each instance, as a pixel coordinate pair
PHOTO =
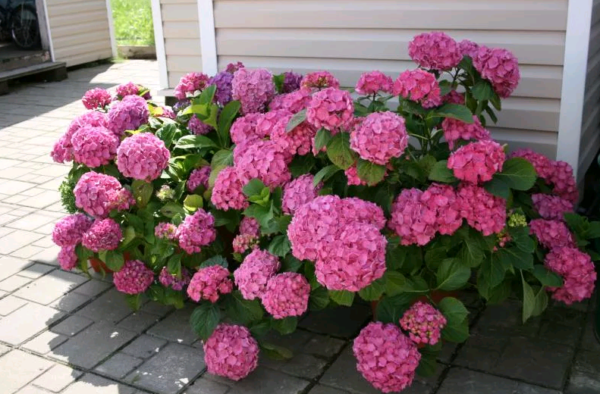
(159, 42)
(111, 29)
(50, 43)
(208, 41)
(579, 21)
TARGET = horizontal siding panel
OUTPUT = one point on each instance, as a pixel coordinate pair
(542, 142)
(179, 12)
(70, 30)
(531, 114)
(76, 8)
(86, 57)
(184, 64)
(67, 20)
(82, 39)
(178, 1)
(182, 46)
(173, 29)
(540, 15)
(88, 47)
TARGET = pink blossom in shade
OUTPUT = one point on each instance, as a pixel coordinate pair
(173, 281)
(277, 102)
(298, 140)
(98, 194)
(250, 226)
(244, 129)
(482, 210)
(353, 178)
(266, 122)
(94, 146)
(105, 234)
(165, 230)
(551, 233)
(62, 152)
(133, 278)
(577, 271)
(243, 242)
(209, 283)
(563, 180)
(253, 88)
(266, 161)
(413, 220)
(454, 98)
(551, 207)
(443, 200)
(231, 352)
(296, 101)
(354, 209)
(255, 271)
(542, 164)
(478, 161)
(167, 112)
(227, 192)
(319, 80)
(353, 260)
(374, 82)
(142, 156)
(420, 86)
(468, 48)
(455, 130)
(198, 127)
(291, 81)
(127, 89)
(286, 295)
(435, 50)
(196, 231)
(423, 323)
(189, 84)
(127, 114)
(198, 177)
(313, 224)
(96, 98)
(332, 109)
(381, 137)
(67, 258)
(500, 67)
(233, 67)
(386, 357)
(69, 230)
(299, 192)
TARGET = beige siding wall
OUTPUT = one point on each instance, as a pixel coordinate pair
(590, 130)
(182, 38)
(80, 32)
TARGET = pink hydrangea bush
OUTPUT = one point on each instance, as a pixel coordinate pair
(96, 98)
(423, 323)
(253, 88)
(551, 207)
(166, 231)
(175, 282)
(209, 283)
(142, 156)
(227, 192)
(286, 295)
(94, 146)
(69, 230)
(67, 258)
(381, 137)
(189, 84)
(319, 80)
(455, 130)
(128, 114)
(98, 194)
(331, 109)
(198, 177)
(436, 50)
(196, 231)
(500, 67)
(551, 233)
(133, 278)
(231, 352)
(104, 234)
(254, 273)
(374, 82)
(477, 162)
(577, 271)
(299, 192)
(420, 86)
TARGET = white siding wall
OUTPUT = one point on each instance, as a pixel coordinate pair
(80, 30)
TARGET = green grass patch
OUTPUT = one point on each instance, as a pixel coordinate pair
(133, 22)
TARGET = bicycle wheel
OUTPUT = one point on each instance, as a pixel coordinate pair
(24, 27)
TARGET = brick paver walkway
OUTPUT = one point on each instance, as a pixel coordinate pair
(62, 332)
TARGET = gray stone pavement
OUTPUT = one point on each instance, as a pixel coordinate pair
(62, 332)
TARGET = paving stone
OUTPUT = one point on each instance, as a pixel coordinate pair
(45, 342)
(144, 346)
(12, 187)
(72, 325)
(523, 388)
(589, 341)
(26, 252)
(119, 365)
(559, 333)
(481, 352)
(169, 370)
(92, 288)
(205, 386)
(26, 322)
(31, 222)
(51, 286)
(57, 378)
(4, 349)
(506, 320)
(320, 389)
(583, 383)
(70, 302)
(92, 345)
(110, 306)
(156, 309)
(10, 304)
(11, 265)
(264, 380)
(303, 366)
(94, 384)
(139, 321)
(32, 390)
(588, 362)
(34, 271)
(323, 346)
(16, 240)
(470, 382)
(176, 327)
(47, 256)
(340, 322)
(13, 283)
(19, 368)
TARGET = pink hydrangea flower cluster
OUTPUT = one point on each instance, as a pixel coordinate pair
(104, 234)
(468, 48)
(62, 151)
(231, 352)
(142, 156)
(482, 210)
(423, 323)
(267, 122)
(291, 81)
(98, 194)
(233, 67)
(381, 137)
(454, 98)
(478, 161)
(551, 207)
(455, 130)
(69, 230)
(500, 67)
(244, 129)
(264, 160)
(133, 278)
(286, 295)
(128, 114)
(127, 89)
(63, 148)
(353, 178)
(253, 88)
(96, 98)
(331, 109)
(189, 84)
(222, 81)
(254, 273)
(297, 141)
(167, 112)
(196, 231)
(299, 192)
(176, 283)
(165, 230)
(319, 80)
(67, 258)
(541, 164)
(353, 209)
(374, 82)
(198, 127)
(250, 226)
(198, 177)
(420, 86)
(435, 50)
(563, 181)
(243, 242)
(209, 283)
(442, 200)
(94, 146)
(227, 192)
(577, 271)
(551, 233)
(386, 357)
(296, 101)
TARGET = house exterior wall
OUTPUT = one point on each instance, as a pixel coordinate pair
(79, 30)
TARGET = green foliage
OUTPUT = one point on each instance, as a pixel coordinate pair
(133, 22)
(67, 198)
